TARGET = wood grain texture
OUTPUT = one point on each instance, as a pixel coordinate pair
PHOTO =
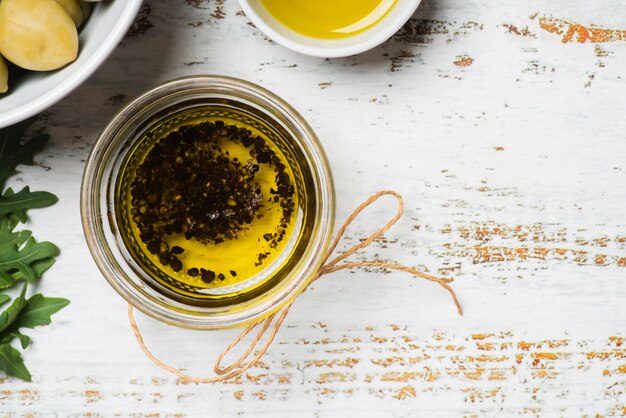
(501, 123)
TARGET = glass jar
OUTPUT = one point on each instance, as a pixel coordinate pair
(167, 104)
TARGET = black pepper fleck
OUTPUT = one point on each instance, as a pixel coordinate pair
(207, 276)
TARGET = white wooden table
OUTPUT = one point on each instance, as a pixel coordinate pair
(503, 125)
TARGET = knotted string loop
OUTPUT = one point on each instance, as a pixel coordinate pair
(274, 321)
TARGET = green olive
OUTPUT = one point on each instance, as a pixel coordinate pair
(4, 76)
(37, 34)
(73, 8)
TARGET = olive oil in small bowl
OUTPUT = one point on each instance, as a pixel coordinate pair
(207, 202)
(329, 19)
(329, 28)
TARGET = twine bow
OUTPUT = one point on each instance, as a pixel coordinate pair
(243, 363)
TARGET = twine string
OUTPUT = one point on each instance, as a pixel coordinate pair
(275, 320)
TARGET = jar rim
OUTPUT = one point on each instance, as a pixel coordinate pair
(102, 233)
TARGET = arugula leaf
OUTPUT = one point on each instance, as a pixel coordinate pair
(12, 364)
(4, 298)
(38, 311)
(24, 339)
(16, 204)
(32, 313)
(21, 258)
(13, 153)
(10, 314)
(39, 267)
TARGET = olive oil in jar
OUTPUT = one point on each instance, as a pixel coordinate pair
(212, 204)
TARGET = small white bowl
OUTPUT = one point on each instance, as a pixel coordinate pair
(400, 13)
(36, 91)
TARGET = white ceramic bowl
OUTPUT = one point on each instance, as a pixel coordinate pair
(330, 48)
(36, 91)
